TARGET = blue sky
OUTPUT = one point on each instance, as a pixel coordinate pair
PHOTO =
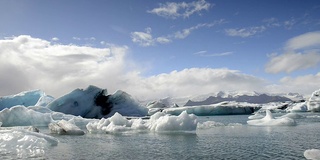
(161, 43)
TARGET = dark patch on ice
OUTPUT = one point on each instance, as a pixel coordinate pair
(104, 102)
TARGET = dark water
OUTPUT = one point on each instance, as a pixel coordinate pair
(222, 142)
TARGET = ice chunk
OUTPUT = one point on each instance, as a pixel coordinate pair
(24, 144)
(159, 122)
(269, 120)
(313, 154)
(183, 122)
(314, 102)
(65, 127)
(22, 116)
(26, 98)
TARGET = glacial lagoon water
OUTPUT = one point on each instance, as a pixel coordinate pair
(231, 138)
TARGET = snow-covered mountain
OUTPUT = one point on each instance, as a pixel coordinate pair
(250, 97)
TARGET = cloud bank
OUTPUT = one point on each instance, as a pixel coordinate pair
(28, 63)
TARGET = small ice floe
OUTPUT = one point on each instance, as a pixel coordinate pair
(313, 154)
(269, 120)
(65, 127)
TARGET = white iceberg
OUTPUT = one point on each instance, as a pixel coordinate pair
(93, 102)
(22, 116)
(269, 120)
(314, 102)
(158, 122)
(65, 127)
(312, 154)
(24, 144)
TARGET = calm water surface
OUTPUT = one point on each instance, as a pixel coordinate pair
(223, 142)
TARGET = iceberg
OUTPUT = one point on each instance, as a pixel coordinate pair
(159, 122)
(26, 98)
(24, 144)
(313, 154)
(65, 127)
(93, 102)
(223, 108)
(314, 102)
(269, 120)
(22, 116)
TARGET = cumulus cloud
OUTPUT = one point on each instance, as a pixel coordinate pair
(245, 32)
(300, 52)
(31, 63)
(175, 10)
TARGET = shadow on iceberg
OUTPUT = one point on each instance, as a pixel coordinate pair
(94, 102)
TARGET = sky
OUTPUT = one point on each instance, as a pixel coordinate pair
(155, 49)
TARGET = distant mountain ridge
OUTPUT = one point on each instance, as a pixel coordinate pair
(250, 97)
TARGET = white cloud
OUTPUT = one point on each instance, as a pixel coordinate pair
(245, 32)
(206, 54)
(195, 81)
(301, 52)
(143, 38)
(305, 84)
(55, 39)
(311, 39)
(291, 61)
(174, 10)
(32, 63)
(146, 39)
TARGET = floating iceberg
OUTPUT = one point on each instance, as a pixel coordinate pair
(158, 122)
(22, 116)
(314, 102)
(93, 102)
(26, 98)
(24, 144)
(313, 154)
(224, 108)
(213, 124)
(65, 127)
(268, 120)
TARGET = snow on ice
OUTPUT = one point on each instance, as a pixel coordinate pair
(159, 122)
